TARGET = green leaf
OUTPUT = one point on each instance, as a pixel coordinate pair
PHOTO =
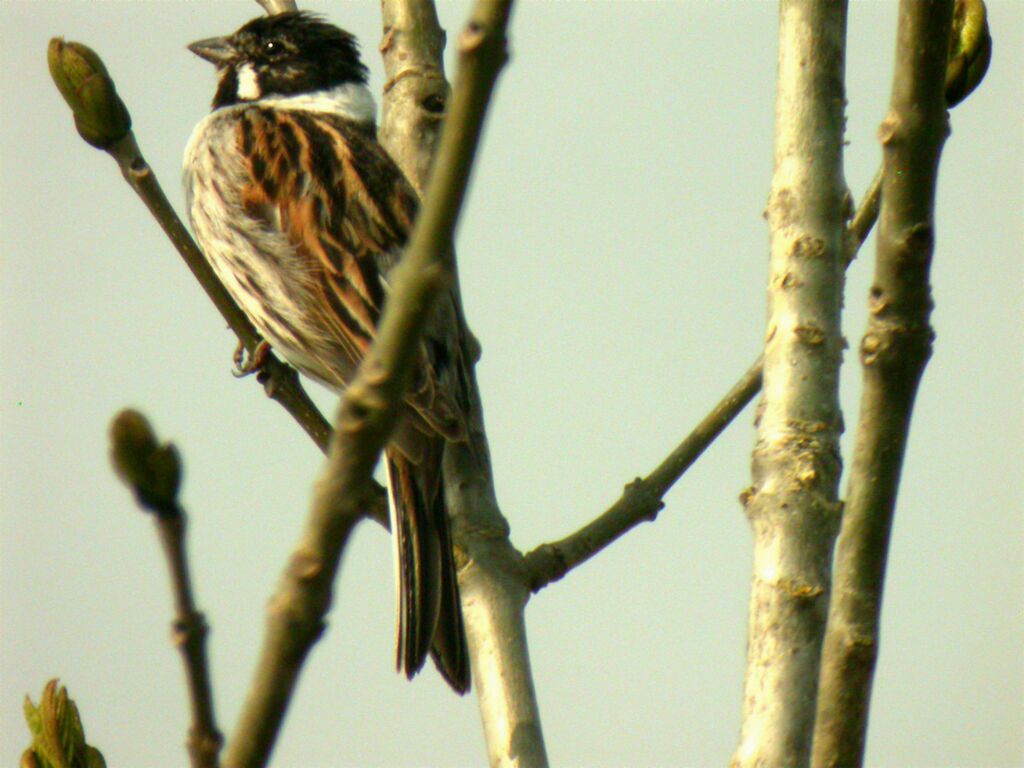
(58, 738)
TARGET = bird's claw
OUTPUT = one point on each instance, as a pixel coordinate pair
(247, 364)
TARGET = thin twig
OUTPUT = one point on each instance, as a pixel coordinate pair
(153, 472)
(642, 499)
(189, 633)
(366, 416)
(894, 352)
(792, 503)
(103, 121)
(864, 219)
(280, 381)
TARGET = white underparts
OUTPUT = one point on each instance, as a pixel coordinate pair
(248, 87)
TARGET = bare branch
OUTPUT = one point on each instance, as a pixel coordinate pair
(303, 596)
(494, 590)
(864, 219)
(416, 92)
(277, 6)
(280, 380)
(492, 581)
(103, 121)
(153, 472)
(642, 499)
(894, 352)
(189, 632)
(792, 504)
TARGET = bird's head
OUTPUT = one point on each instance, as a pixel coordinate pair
(283, 55)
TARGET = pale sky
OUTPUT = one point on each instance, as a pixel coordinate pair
(613, 259)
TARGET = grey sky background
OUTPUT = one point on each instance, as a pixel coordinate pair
(613, 259)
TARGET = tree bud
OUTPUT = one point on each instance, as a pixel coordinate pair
(970, 50)
(153, 471)
(100, 116)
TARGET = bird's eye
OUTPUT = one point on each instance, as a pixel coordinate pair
(273, 48)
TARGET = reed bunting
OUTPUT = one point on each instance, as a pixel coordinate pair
(302, 214)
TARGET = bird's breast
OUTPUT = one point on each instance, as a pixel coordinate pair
(252, 256)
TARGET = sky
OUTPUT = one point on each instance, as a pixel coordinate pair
(613, 259)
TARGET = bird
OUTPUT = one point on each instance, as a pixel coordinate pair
(302, 215)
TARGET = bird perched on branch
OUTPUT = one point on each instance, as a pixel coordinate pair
(302, 213)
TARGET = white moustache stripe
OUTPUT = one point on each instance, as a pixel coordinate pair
(248, 87)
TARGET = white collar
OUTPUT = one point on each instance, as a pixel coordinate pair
(351, 100)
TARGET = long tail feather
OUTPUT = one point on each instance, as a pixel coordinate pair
(429, 612)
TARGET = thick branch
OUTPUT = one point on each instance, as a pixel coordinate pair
(894, 352)
(416, 92)
(641, 499)
(492, 580)
(365, 419)
(792, 504)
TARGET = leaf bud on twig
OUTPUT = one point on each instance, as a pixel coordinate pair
(970, 50)
(78, 72)
(152, 470)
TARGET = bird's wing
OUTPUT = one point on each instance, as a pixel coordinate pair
(326, 183)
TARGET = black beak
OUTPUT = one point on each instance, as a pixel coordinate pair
(216, 50)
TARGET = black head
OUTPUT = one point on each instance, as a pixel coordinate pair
(282, 55)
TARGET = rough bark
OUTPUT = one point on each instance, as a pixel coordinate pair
(792, 505)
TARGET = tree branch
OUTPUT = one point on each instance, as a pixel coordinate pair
(792, 504)
(416, 92)
(304, 594)
(103, 121)
(189, 633)
(494, 587)
(894, 352)
(642, 499)
(864, 219)
(277, 6)
(280, 380)
(154, 474)
(492, 580)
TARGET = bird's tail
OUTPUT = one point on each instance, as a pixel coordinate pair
(429, 612)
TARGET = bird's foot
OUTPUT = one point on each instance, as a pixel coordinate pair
(246, 364)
